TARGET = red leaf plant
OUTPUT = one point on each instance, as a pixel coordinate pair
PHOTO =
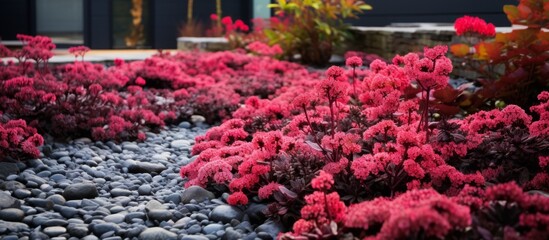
(120, 102)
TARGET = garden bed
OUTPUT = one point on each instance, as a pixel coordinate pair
(352, 152)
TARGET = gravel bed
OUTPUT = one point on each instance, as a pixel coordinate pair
(103, 190)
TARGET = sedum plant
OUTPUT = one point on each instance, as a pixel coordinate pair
(349, 154)
(121, 102)
(312, 27)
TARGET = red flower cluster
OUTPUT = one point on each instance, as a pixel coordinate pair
(237, 198)
(19, 141)
(323, 182)
(229, 26)
(474, 25)
(5, 52)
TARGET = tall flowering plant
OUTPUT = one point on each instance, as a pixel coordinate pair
(312, 28)
(323, 214)
(430, 73)
(79, 51)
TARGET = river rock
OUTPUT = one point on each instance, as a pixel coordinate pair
(80, 191)
(197, 193)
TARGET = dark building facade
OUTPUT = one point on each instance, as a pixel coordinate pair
(386, 12)
(107, 24)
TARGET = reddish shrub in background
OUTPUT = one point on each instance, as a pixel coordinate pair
(19, 141)
(511, 67)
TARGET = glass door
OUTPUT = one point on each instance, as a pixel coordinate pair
(62, 20)
(130, 23)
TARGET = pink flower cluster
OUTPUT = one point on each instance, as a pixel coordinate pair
(264, 49)
(367, 58)
(533, 210)
(228, 26)
(321, 212)
(38, 48)
(382, 90)
(323, 182)
(474, 25)
(79, 51)
(414, 212)
(430, 71)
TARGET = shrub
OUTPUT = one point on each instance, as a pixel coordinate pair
(511, 67)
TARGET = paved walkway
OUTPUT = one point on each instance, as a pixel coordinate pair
(63, 56)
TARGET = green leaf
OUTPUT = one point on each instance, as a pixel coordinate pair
(316, 5)
(273, 5)
(365, 7)
(324, 27)
(292, 6)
